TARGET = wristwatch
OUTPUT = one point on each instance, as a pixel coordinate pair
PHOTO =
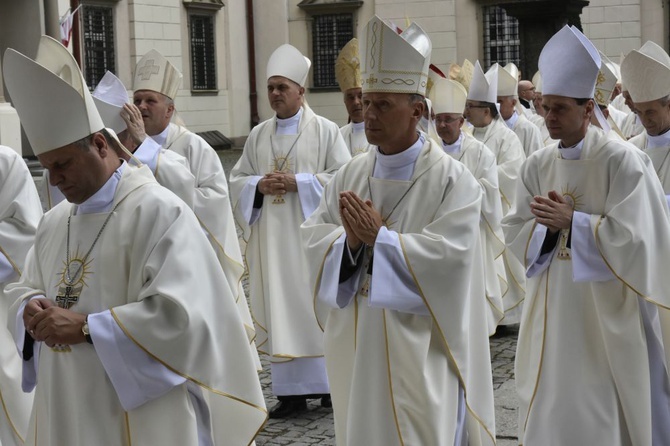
(87, 334)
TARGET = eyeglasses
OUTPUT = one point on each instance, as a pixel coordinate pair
(439, 121)
(467, 106)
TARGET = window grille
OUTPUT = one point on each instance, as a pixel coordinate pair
(501, 37)
(330, 32)
(203, 57)
(98, 42)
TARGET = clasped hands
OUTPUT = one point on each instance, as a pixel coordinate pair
(277, 183)
(360, 219)
(552, 211)
(45, 321)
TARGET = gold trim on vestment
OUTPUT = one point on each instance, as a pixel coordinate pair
(183, 375)
(317, 286)
(129, 439)
(390, 378)
(16, 268)
(9, 419)
(502, 242)
(444, 339)
(544, 337)
(283, 356)
(504, 197)
(488, 298)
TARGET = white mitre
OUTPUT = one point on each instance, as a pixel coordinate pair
(508, 80)
(50, 96)
(154, 72)
(348, 66)
(448, 96)
(392, 62)
(606, 82)
(537, 82)
(287, 61)
(647, 77)
(109, 96)
(569, 65)
(484, 87)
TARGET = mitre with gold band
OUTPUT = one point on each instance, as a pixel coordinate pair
(50, 96)
(154, 72)
(462, 74)
(392, 62)
(348, 66)
(646, 73)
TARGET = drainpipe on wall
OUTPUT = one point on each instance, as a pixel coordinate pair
(251, 45)
(76, 44)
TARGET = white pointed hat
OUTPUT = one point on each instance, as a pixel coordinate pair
(537, 81)
(434, 74)
(508, 80)
(605, 82)
(484, 87)
(569, 65)
(109, 96)
(348, 66)
(448, 96)
(647, 78)
(392, 62)
(50, 96)
(287, 61)
(154, 72)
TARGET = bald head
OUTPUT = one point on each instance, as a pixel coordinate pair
(526, 90)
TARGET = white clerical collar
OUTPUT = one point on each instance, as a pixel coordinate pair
(482, 130)
(358, 126)
(162, 136)
(662, 140)
(454, 148)
(571, 153)
(289, 126)
(404, 158)
(511, 122)
(102, 200)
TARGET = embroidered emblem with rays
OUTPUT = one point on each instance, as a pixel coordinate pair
(575, 200)
(282, 164)
(71, 284)
(572, 196)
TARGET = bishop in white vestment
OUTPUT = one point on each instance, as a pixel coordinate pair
(592, 227)
(406, 335)
(20, 213)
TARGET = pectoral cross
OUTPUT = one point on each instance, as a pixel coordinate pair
(563, 252)
(68, 295)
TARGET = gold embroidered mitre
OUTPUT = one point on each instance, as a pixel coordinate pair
(605, 82)
(348, 66)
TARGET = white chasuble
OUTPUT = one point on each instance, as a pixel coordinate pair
(510, 155)
(211, 204)
(529, 135)
(280, 294)
(396, 376)
(658, 150)
(164, 290)
(585, 370)
(354, 136)
(20, 213)
(481, 162)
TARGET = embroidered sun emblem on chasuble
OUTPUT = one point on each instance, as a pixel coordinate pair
(282, 164)
(572, 196)
(72, 282)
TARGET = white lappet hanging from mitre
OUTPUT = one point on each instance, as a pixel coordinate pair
(392, 62)
(69, 115)
(605, 83)
(484, 87)
(109, 96)
(154, 72)
(646, 73)
(569, 64)
(287, 61)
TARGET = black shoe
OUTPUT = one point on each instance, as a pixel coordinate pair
(326, 401)
(288, 406)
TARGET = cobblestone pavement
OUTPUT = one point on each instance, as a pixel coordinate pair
(315, 427)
